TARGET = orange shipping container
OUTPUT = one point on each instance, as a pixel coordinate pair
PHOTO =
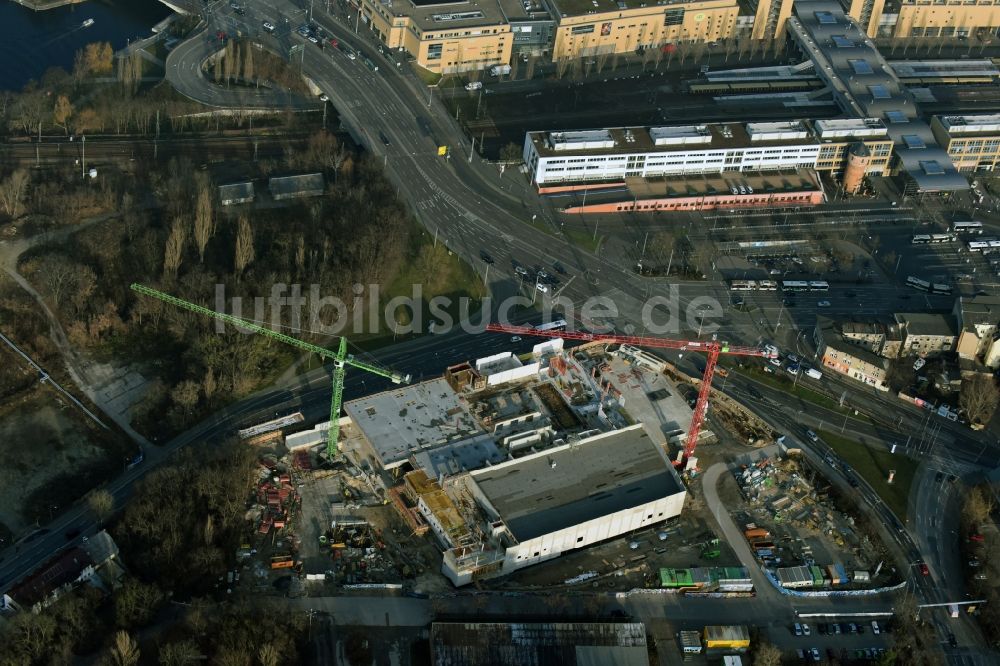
(756, 533)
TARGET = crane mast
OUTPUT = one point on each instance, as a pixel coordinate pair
(712, 348)
(341, 359)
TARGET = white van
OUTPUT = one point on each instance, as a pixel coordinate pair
(541, 287)
(814, 373)
(473, 85)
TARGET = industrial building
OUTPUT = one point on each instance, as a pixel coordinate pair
(537, 507)
(529, 643)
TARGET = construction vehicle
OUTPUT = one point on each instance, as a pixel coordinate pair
(341, 359)
(712, 348)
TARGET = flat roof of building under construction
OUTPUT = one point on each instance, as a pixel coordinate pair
(577, 482)
(407, 419)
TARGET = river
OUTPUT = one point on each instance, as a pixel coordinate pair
(31, 42)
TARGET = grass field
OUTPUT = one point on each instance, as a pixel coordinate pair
(874, 467)
(780, 381)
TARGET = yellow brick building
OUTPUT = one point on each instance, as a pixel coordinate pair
(443, 38)
(596, 27)
(770, 17)
(927, 18)
(972, 142)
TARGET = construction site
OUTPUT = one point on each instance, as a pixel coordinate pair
(794, 527)
(560, 458)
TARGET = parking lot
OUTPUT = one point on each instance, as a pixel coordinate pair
(848, 641)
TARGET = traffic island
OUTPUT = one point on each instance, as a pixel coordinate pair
(876, 468)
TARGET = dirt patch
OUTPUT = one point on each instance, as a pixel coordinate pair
(42, 440)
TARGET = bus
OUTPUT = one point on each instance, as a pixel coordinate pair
(767, 285)
(978, 246)
(942, 238)
(940, 289)
(967, 227)
(743, 285)
(794, 285)
(917, 283)
(921, 239)
(818, 285)
(555, 325)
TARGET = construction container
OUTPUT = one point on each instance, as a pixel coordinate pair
(727, 637)
(690, 642)
(756, 533)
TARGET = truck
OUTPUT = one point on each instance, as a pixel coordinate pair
(499, 70)
(814, 373)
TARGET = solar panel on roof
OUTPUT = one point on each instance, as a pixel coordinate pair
(932, 168)
(842, 42)
(896, 117)
(913, 142)
(879, 92)
(826, 18)
(860, 66)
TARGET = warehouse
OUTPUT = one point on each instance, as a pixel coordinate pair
(537, 507)
(551, 644)
(794, 577)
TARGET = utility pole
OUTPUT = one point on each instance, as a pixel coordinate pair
(486, 278)
(83, 150)
(472, 148)
(670, 261)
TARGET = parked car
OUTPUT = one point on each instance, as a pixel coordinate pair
(792, 369)
(924, 570)
(268, 26)
(823, 304)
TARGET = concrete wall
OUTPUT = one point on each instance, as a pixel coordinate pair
(552, 545)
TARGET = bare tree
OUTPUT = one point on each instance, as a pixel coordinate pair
(13, 191)
(979, 399)
(62, 112)
(217, 68)
(268, 655)
(767, 655)
(101, 503)
(248, 72)
(125, 651)
(244, 246)
(977, 507)
(204, 222)
(179, 654)
(173, 253)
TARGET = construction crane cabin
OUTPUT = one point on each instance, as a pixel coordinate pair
(341, 359)
(712, 348)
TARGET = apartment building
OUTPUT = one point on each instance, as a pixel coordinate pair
(943, 18)
(603, 27)
(849, 359)
(978, 319)
(926, 334)
(972, 141)
(447, 37)
(615, 154)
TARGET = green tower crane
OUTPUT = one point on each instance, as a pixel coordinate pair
(341, 359)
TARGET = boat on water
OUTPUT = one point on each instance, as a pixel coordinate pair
(87, 23)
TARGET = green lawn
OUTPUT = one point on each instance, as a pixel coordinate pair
(874, 467)
(427, 76)
(781, 382)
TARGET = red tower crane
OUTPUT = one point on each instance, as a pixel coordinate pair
(711, 348)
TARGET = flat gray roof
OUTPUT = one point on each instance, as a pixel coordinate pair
(574, 483)
(539, 644)
(925, 323)
(408, 419)
(462, 456)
